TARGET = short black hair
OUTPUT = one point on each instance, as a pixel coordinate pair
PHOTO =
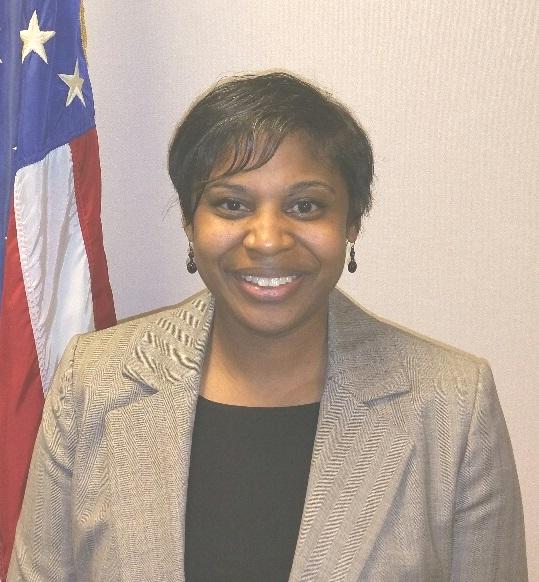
(247, 117)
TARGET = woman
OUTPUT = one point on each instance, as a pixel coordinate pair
(270, 429)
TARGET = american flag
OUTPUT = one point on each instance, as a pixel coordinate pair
(53, 271)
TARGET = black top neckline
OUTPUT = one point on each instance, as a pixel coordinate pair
(269, 409)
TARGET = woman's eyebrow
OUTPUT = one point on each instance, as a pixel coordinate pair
(238, 188)
(311, 184)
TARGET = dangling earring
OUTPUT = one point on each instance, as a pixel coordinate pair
(352, 265)
(191, 265)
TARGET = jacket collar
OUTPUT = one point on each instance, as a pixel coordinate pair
(173, 346)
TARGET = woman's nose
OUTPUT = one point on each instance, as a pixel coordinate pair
(268, 233)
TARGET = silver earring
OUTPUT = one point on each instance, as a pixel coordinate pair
(352, 265)
(191, 265)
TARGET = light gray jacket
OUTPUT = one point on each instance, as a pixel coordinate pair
(412, 475)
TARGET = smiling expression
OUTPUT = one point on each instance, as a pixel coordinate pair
(270, 243)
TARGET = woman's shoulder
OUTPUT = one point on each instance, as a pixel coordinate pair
(101, 360)
(380, 358)
(123, 336)
(415, 354)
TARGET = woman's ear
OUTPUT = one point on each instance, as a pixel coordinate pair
(352, 232)
(188, 229)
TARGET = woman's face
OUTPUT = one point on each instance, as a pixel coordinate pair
(270, 243)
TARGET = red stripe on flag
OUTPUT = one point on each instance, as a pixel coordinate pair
(87, 176)
(21, 395)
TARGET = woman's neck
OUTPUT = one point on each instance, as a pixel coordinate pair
(248, 369)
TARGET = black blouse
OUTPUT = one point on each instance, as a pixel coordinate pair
(247, 481)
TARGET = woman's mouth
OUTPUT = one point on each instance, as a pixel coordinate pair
(269, 288)
(269, 281)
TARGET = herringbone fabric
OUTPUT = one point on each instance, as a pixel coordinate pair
(412, 475)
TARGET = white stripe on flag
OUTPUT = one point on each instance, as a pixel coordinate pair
(53, 257)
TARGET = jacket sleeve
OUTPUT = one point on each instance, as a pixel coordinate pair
(488, 534)
(43, 549)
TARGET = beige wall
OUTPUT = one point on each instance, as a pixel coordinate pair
(449, 94)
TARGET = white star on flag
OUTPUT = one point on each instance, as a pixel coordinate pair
(34, 39)
(74, 82)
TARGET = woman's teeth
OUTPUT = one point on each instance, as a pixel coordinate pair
(269, 281)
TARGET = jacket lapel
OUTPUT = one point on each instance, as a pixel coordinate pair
(149, 441)
(361, 449)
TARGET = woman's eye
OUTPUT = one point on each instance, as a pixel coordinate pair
(231, 206)
(305, 207)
